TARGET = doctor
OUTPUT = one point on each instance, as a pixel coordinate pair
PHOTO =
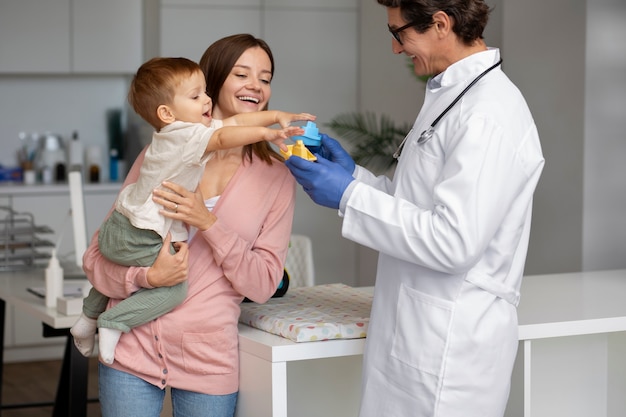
(451, 227)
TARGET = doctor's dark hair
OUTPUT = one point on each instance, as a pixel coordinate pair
(155, 84)
(217, 63)
(470, 16)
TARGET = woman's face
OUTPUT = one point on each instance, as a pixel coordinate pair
(247, 87)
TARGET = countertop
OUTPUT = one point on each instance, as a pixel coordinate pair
(15, 189)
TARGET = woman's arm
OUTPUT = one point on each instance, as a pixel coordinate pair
(249, 245)
(117, 281)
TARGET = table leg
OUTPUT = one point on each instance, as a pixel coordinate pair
(3, 306)
(71, 398)
(279, 389)
(262, 387)
(527, 377)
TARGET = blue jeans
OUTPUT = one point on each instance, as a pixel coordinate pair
(123, 394)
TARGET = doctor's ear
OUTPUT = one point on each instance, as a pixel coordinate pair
(442, 22)
(165, 114)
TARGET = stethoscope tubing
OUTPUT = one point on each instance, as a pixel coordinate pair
(427, 134)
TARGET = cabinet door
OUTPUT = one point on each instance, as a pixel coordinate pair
(188, 31)
(34, 36)
(324, 64)
(107, 36)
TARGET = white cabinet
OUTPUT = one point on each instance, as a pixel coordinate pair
(34, 36)
(64, 36)
(187, 31)
(107, 36)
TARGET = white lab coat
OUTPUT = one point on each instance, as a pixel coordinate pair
(452, 229)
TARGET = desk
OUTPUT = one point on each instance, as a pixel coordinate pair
(571, 332)
(280, 377)
(71, 397)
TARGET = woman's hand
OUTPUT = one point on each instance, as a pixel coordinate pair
(169, 269)
(182, 204)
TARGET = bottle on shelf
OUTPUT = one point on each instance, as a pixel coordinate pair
(94, 161)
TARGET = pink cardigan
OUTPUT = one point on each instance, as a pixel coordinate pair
(194, 347)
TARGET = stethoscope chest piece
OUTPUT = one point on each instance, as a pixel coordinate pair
(426, 135)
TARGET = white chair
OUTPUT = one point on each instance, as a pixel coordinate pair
(299, 263)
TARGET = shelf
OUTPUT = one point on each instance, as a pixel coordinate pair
(11, 189)
(20, 240)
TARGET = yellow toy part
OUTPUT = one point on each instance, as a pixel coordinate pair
(298, 149)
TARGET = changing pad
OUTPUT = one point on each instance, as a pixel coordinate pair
(307, 314)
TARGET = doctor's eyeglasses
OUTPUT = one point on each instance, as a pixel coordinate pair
(396, 32)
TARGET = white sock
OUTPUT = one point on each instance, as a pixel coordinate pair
(107, 341)
(84, 332)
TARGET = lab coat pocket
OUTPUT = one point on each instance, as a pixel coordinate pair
(421, 332)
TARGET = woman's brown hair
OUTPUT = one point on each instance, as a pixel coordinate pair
(217, 62)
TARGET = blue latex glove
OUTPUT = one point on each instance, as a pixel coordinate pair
(332, 150)
(324, 181)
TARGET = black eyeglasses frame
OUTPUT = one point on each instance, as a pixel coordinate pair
(395, 33)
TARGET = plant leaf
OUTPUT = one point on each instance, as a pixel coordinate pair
(374, 138)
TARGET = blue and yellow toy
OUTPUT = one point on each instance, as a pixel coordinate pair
(311, 138)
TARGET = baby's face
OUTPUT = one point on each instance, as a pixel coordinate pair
(191, 103)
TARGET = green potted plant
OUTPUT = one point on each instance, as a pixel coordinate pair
(373, 139)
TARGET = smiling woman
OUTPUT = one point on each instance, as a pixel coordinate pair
(239, 220)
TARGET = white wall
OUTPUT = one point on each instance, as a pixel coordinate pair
(548, 66)
(604, 208)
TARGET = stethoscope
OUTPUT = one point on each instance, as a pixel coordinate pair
(427, 134)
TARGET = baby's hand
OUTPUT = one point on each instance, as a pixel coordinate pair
(284, 118)
(278, 136)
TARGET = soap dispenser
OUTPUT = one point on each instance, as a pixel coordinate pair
(54, 280)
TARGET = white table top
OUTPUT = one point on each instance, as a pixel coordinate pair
(13, 285)
(552, 305)
(572, 304)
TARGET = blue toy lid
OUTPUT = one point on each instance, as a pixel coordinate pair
(311, 135)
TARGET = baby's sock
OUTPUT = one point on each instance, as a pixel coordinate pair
(84, 332)
(107, 342)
